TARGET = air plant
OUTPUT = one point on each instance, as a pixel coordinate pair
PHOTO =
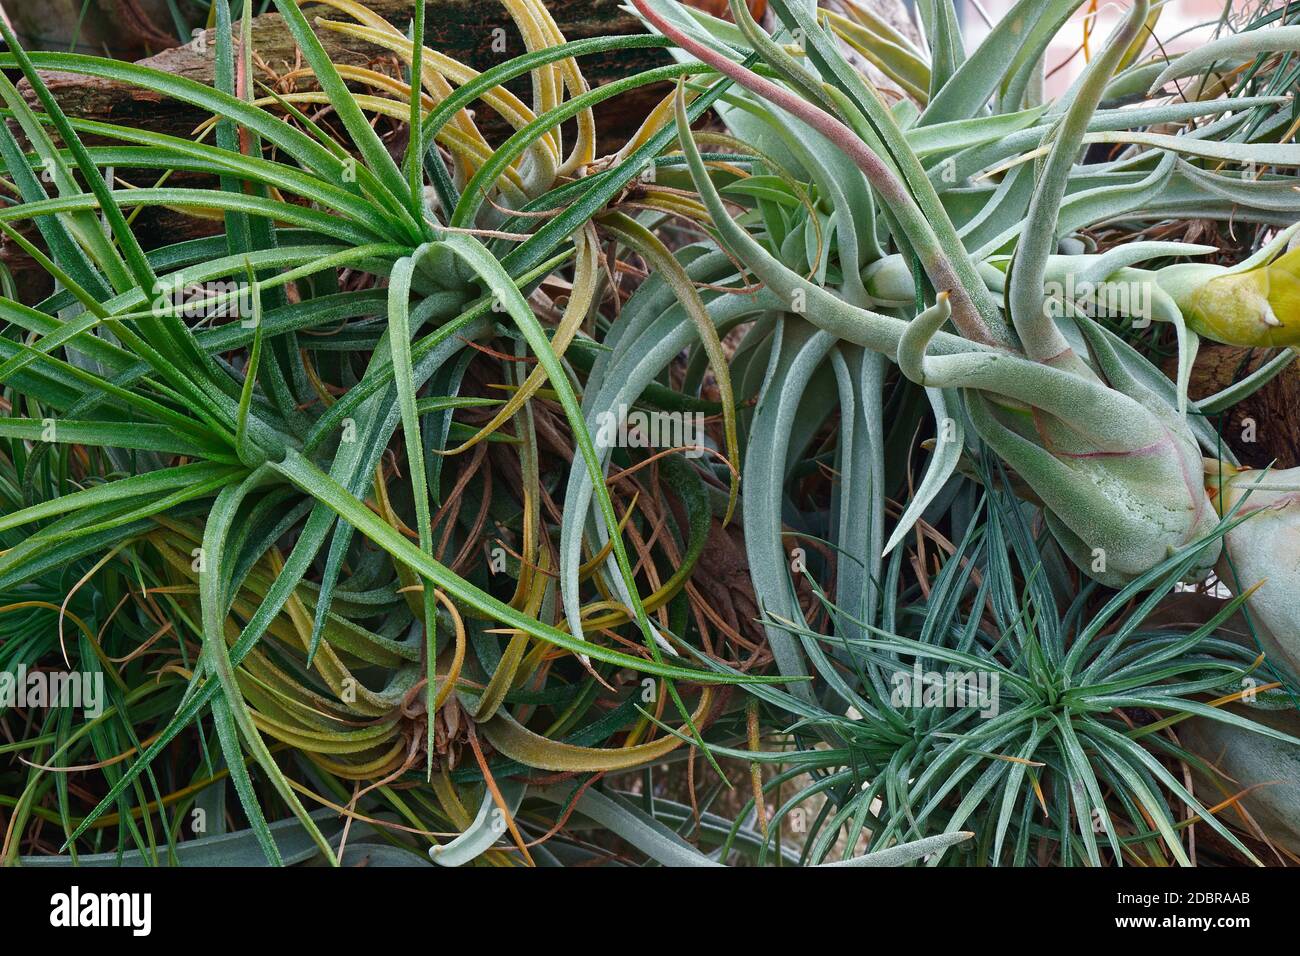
(1032, 748)
(1099, 436)
(1257, 776)
(361, 540)
(872, 234)
(1262, 553)
(244, 463)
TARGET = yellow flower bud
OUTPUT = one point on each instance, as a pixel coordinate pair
(1257, 307)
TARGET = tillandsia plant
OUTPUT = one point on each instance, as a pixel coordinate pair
(466, 478)
(203, 480)
(989, 701)
(1255, 303)
(235, 478)
(1101, 439)
(1263, 553)
(874, 229)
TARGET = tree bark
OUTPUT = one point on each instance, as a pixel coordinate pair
(462, 29)
(1264, 429)
(465, 30)
(470, 31)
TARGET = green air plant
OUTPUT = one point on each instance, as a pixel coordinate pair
(208, 491)
(1262, 553)
(352, 533)
(1259, 776)
(235, 478)
(889, 238)
(994, 697)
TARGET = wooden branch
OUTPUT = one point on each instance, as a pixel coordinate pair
(1264, 429)
(462, 29)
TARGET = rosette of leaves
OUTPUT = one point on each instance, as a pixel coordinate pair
(874, 229)
(225, 510)
(1060, 746)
